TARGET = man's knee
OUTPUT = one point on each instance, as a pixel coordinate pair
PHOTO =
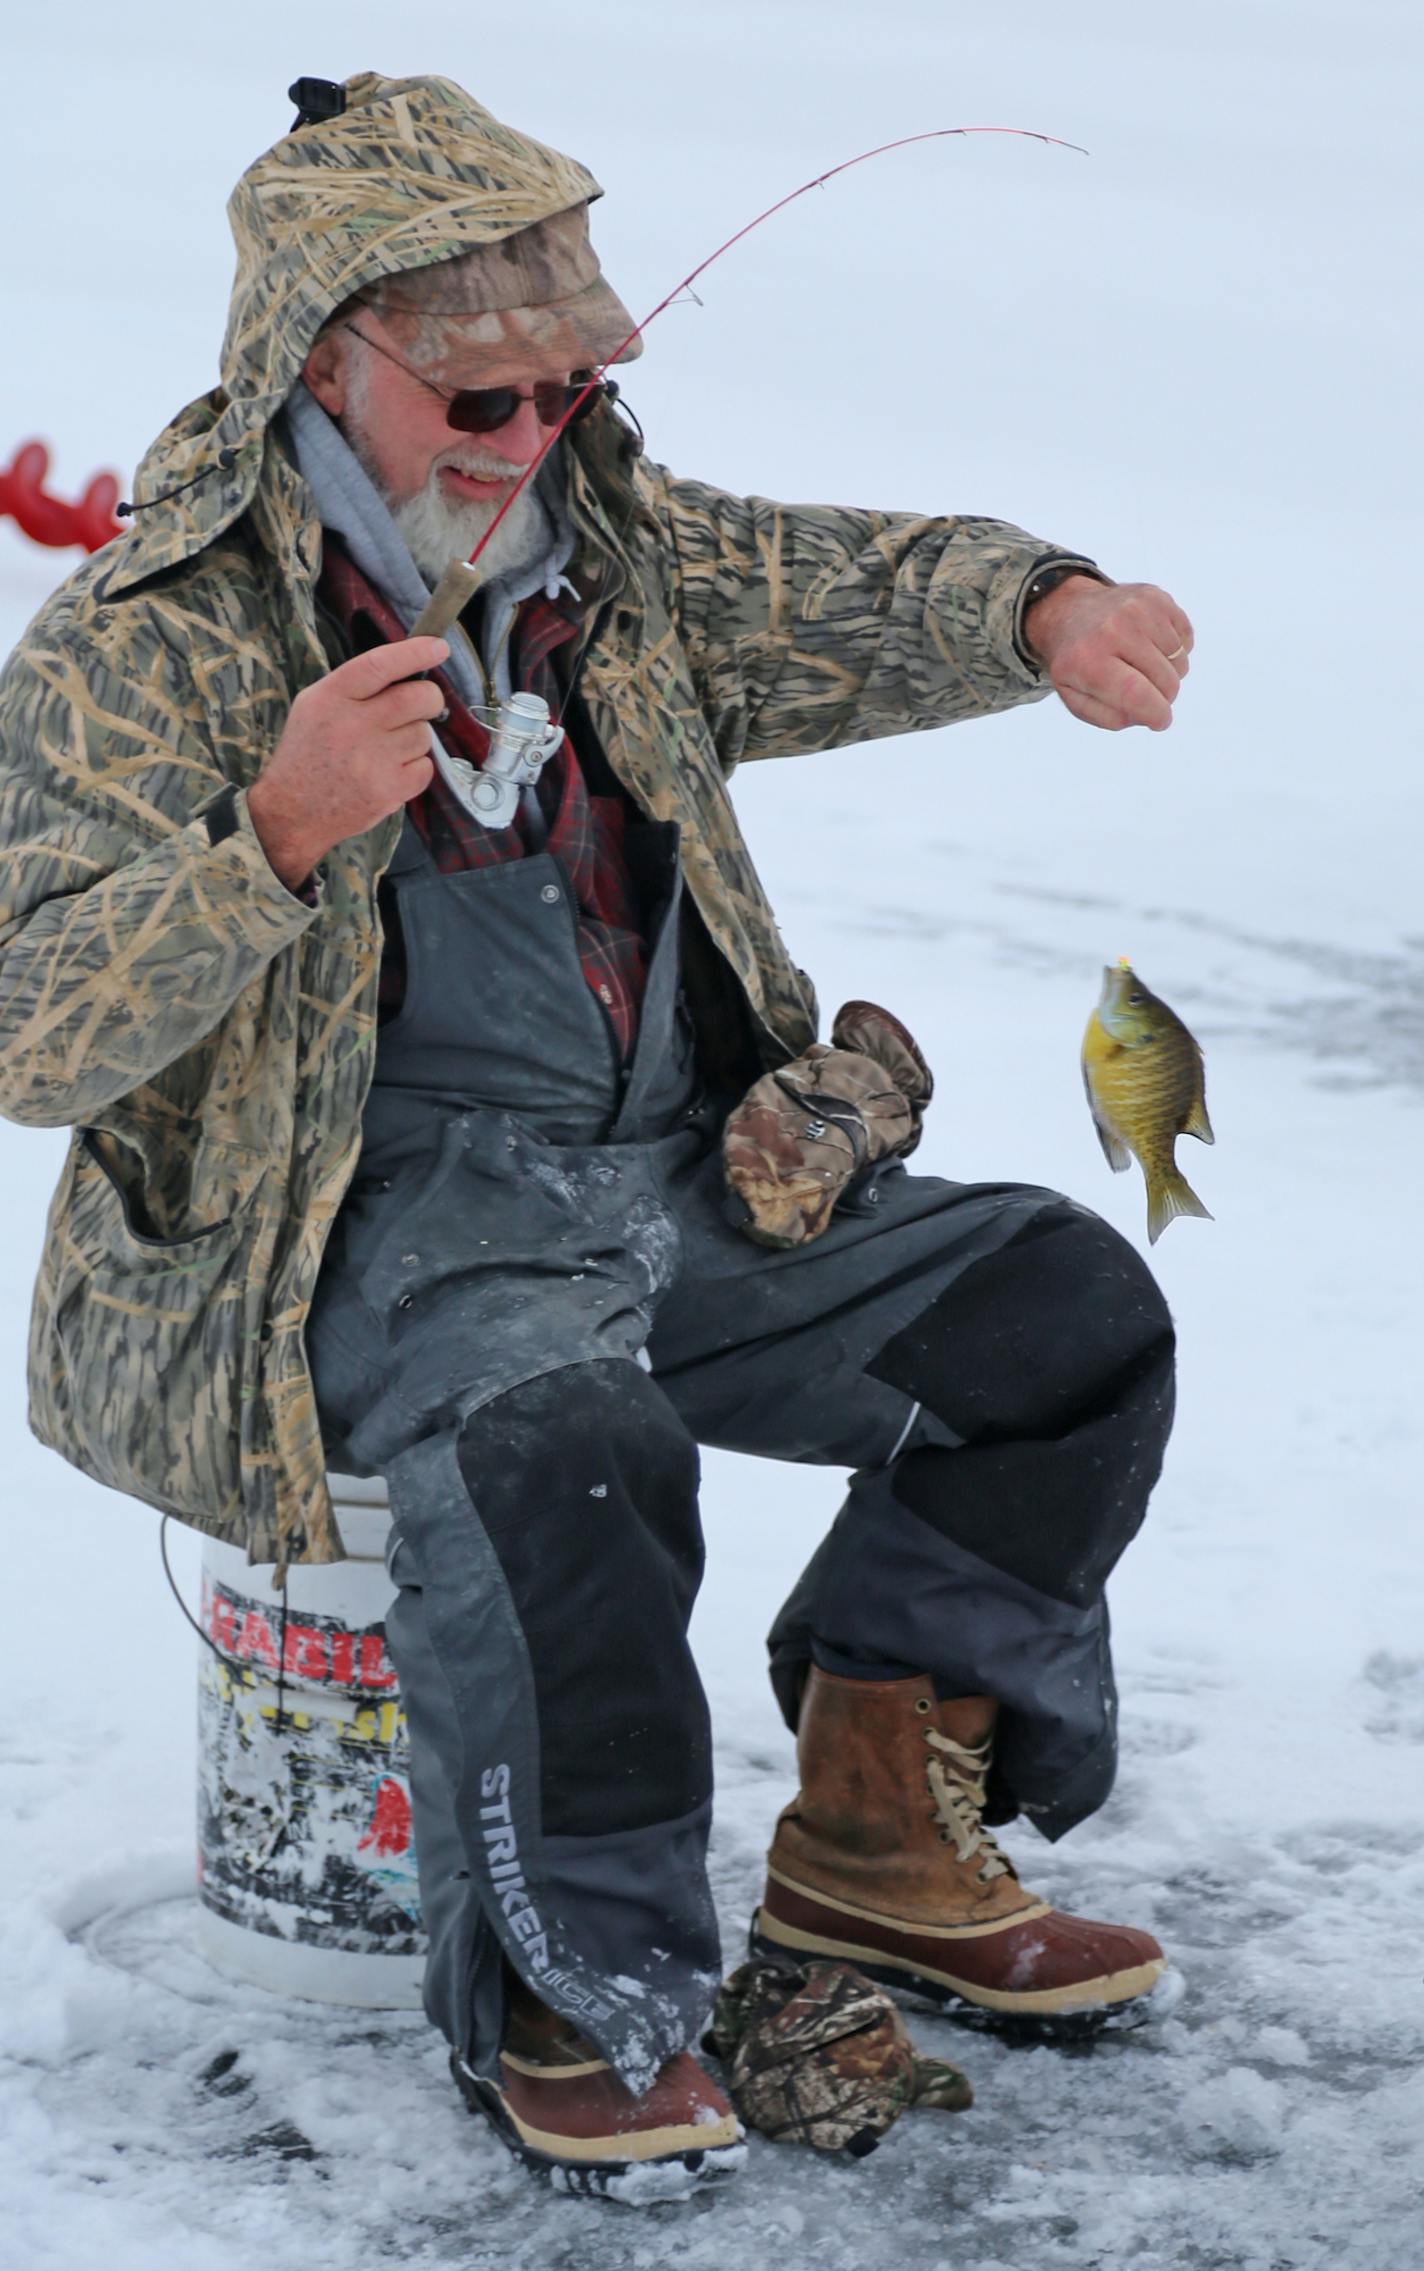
(600, 1438)
(1056, 1326)
(585, 1482)
(1051, 1362)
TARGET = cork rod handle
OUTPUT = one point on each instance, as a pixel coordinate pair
(453, 593)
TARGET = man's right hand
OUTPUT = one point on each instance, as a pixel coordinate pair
(355, 747)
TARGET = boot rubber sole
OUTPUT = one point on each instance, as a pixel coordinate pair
(645, 2182)
(1112, 2004)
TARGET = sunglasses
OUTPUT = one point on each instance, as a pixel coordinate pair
(484, 409)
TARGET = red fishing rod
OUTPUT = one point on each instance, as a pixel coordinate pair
(459, 582)
(90, 521)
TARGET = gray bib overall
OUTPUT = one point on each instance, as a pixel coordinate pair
(535, 1305)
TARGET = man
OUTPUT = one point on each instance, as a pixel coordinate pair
(399, 1138)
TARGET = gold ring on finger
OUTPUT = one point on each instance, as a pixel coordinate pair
(1175, 652)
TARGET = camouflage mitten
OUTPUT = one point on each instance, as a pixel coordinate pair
(815, 2054)
(804, 1132)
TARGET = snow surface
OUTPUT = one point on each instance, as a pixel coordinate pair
(1194, 354)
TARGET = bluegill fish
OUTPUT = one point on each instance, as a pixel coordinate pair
(1146, 1086)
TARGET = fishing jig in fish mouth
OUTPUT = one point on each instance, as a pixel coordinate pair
(1146, 1085)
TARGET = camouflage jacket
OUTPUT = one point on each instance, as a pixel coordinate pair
(207, 1035)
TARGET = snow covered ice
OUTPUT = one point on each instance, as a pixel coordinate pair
(1194, 355)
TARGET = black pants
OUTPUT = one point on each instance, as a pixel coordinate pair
(533, 1310)
(994, 1363)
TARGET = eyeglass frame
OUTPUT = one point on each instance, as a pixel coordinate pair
(593, 390)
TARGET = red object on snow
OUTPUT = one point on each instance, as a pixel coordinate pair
(49, 520)
(388, 1831)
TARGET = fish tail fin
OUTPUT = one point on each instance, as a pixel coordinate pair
(1168, 1196)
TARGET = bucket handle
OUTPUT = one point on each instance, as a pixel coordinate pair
(207, 1639)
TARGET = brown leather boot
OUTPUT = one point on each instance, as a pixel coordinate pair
(884, 1859)
(561, 2109)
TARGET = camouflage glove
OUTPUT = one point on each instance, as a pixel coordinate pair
(815, 2054)
(803, 1133)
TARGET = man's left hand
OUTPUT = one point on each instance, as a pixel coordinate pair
(1116, 654)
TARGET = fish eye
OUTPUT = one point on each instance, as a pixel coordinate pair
(1133, 1000)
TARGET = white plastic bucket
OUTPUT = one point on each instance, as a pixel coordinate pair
(306, 1860)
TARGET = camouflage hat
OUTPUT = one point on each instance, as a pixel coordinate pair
(816, 2054)
(408, 174)
(540, 288)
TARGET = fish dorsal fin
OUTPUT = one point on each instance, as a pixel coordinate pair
(1196, 1123)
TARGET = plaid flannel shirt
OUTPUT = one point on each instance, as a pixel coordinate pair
(585, 833)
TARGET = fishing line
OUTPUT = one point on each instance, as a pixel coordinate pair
(430, 620)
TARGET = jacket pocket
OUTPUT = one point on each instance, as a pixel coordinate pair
(135, 1216)
(140, 1352)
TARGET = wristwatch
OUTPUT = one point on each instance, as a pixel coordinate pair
(1047, 580)
(219, 814)
(1040, 584)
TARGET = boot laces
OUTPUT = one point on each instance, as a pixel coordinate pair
(959, 1804)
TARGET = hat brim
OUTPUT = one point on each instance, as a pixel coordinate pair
(583, 330)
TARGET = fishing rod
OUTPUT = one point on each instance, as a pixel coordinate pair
(460, 581)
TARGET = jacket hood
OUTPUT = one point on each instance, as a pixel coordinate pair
(412, 171)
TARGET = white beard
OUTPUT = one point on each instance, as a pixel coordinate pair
(437, 530)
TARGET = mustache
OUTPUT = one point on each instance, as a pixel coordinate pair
(477, 465)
